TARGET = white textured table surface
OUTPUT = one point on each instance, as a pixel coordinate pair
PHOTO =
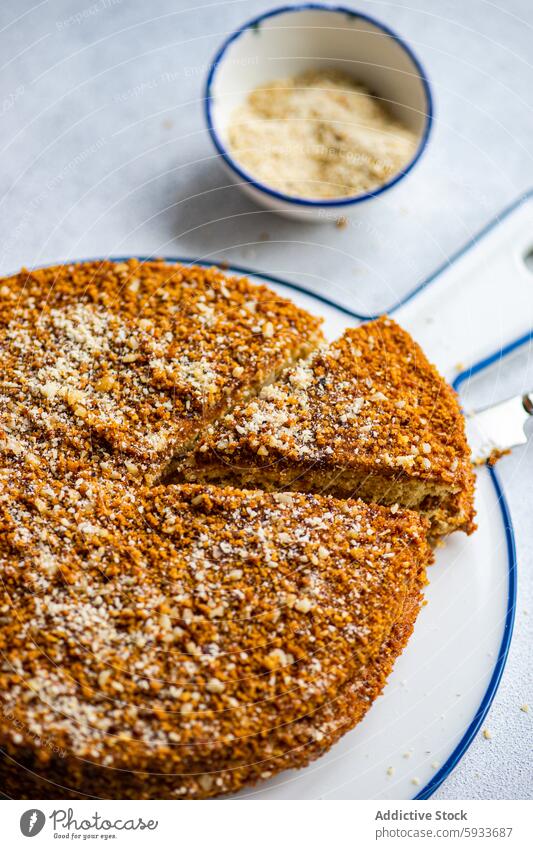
(104, 151)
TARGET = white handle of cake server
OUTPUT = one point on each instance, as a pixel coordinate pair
(480, 302)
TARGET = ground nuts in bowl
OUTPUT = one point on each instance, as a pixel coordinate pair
(315, 109)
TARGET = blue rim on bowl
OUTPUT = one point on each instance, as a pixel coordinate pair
(294, 199)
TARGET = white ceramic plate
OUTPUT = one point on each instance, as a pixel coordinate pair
(444, 682)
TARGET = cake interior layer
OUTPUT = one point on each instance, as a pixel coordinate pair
(443, 506)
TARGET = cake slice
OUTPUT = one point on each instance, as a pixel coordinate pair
(116, 367)
(367, 416)
(182, 641)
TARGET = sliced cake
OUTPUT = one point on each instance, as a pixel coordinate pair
(368, 416)
(180, 642)
(116, 367)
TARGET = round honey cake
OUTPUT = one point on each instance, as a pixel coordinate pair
(182, 640)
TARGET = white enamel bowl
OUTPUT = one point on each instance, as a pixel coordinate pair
(289, 40)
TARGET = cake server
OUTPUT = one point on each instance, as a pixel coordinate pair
(500, 427)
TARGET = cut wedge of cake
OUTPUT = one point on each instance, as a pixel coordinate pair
(368, 416)
(114, 367)
(182, 641)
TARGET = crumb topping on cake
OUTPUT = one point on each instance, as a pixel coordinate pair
(168, 627)
(134, 359)
(370, 400)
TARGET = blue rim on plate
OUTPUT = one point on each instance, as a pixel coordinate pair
(299, 201)
(503, 651)
(468, 736)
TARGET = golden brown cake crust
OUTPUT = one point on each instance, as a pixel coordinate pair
(370, 404)
(189, 630)
(133, 357)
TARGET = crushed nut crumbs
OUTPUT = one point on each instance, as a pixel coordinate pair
(111, 651)
(116, 367)
(368, 406)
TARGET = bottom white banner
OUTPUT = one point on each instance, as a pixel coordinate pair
(295, 824)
